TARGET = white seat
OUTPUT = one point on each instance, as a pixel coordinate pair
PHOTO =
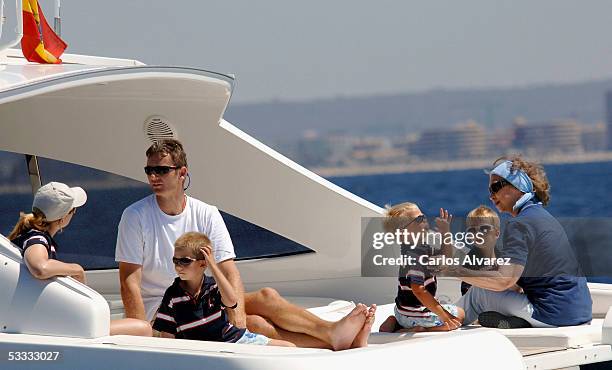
(528, 338)
(59, 306)
(602, 298)
(564, 337)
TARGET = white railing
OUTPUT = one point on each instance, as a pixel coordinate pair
(11, 27)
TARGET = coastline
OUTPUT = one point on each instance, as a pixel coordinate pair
(390, 169)
(454, 165)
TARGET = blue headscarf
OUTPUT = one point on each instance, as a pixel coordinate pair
(518, 178)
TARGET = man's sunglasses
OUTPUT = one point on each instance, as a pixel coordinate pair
(497, 186)
(418, 219)
(159, 170)
(183, 261)
(484, 229)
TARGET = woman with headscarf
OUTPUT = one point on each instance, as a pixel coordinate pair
(540, 259)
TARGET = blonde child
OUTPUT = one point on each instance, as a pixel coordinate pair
(485, 222)
(194, 306)
(416, 308)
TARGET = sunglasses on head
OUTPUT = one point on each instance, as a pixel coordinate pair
(159, 170)
(183, 261)
(418, 219)
(482, 229)
(497, 186)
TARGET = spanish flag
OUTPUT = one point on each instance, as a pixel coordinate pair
(39, 43)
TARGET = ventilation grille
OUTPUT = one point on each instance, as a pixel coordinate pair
(157, 128)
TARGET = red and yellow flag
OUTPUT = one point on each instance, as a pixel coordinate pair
(39, 43)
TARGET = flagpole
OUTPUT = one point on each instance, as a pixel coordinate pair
(57, 21)
(32, 160)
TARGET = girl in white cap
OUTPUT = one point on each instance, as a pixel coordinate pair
(52, 210)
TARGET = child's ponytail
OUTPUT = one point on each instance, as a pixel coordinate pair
(28, 221)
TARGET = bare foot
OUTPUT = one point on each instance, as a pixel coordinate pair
(389, 325)
(344, 331)
(361, 340)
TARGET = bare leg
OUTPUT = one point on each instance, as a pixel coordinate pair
(280, 343)
(460, 314)
(259, 325)
(361, 340)
(389, 325)
(284, 315)
(130, 327)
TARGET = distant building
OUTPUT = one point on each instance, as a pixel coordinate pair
(609, 117)
(376, 150)
(340, 146)
(499, 142)
(312, 150)
(464, 141)
(404, 143)
(595, 137)
(546, 138)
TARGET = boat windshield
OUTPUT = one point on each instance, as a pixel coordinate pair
(92, 236)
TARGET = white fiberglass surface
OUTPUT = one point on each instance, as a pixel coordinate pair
(11, 24)
(21, 74)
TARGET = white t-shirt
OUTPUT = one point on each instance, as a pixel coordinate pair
(146, 237)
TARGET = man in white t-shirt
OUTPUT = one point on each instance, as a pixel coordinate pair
(152, 228)
(147, 231)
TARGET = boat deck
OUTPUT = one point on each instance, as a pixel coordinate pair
(529, 341)
(554, 347)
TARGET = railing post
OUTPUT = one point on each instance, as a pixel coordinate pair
(57, 20)
(33, 172)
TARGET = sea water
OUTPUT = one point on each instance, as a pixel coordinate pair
(578, 190)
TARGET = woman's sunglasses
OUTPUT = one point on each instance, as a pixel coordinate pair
(484, 229)
(159, 170)
(497, 186)
(183, 261)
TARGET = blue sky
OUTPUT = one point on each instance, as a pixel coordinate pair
(290, 50)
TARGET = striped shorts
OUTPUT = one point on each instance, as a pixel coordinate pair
(253, 338)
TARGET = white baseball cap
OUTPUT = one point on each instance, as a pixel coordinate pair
(55, 200)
